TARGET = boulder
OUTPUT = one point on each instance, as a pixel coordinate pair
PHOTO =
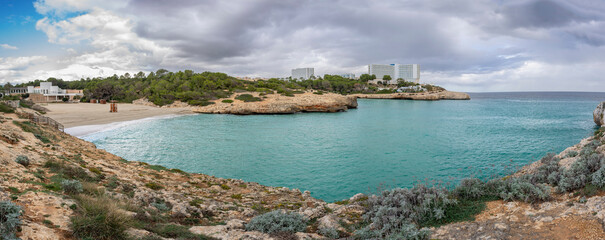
(597, 115)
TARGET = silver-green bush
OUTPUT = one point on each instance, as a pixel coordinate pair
(9, 219)
(23, 160)
(598, 178)
(277, 222)
(470, 188)
(71, 186)
(331, 233)
(523, 190)
(395, 208)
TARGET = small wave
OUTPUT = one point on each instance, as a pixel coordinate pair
(87, 130)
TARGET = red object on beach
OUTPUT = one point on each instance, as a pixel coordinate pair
(113, 106)
(93, 100)
(103, 101)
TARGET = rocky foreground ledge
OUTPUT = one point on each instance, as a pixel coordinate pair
(65, 188)
(277, 104)
(429, 96)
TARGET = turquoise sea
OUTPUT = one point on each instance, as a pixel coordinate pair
(382, 144)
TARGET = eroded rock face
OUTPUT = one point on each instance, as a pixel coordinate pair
(277, 104)
(430, 96)
(597, 115)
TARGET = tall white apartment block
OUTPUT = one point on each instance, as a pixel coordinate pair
(302, 73)
(408, 72)
(380, 70)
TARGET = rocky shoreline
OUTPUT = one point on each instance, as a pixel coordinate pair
(304, 102)
(277, 104)
(427, 96)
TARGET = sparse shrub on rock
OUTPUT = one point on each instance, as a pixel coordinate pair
(598, 178)
(523, 190)
(71, 186)
(331, 233)
(9, 219)
(23, 160)
(277, 221)
(99, 218)
(470, 188)
(391, 210)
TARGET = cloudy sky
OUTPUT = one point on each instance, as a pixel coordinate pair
(468, 45)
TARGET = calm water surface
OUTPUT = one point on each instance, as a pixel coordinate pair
(388, 142)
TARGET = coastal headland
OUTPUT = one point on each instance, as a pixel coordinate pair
(428, 96)
(278, 104)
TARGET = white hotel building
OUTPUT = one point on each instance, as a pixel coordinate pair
(302, 73)
(408, 72)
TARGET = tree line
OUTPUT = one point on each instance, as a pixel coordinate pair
(164, 87)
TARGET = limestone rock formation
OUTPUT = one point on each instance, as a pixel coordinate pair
(597, 115)
(277, 104)
(430, 96)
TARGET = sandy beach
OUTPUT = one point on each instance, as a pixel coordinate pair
(82, 114)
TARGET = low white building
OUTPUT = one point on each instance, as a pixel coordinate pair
(46, 92)
(302, 73)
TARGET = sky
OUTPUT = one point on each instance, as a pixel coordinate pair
(464, 45)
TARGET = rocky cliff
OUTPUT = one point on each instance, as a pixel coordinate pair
(597, 115)
(429, 96)
(277, 104)
(146, 200)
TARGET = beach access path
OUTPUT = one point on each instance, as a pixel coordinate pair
(81, 114)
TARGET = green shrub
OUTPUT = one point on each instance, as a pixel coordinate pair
(571, 153)
(161, 206)
(99, 218)
(154, 186)
(9, 219)
(227, 101)
(23, 160)
(6, 108)
(73, 172)
(276, 222)
(199, 102)
(405, 231)
(157, 167)
(71, 186)
(176, 232)
(247, 98)
(331, 233)
(225, 186)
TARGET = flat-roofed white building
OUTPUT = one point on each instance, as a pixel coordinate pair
(302, 73)
(380, 70)
(407, 72)
(46, 92)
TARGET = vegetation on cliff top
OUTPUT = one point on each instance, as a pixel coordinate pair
(163, 87)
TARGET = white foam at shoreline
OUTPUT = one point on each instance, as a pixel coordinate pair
(86, 130)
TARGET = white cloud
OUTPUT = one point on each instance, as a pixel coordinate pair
(9, 47)
(530, 76)
(471, 45)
